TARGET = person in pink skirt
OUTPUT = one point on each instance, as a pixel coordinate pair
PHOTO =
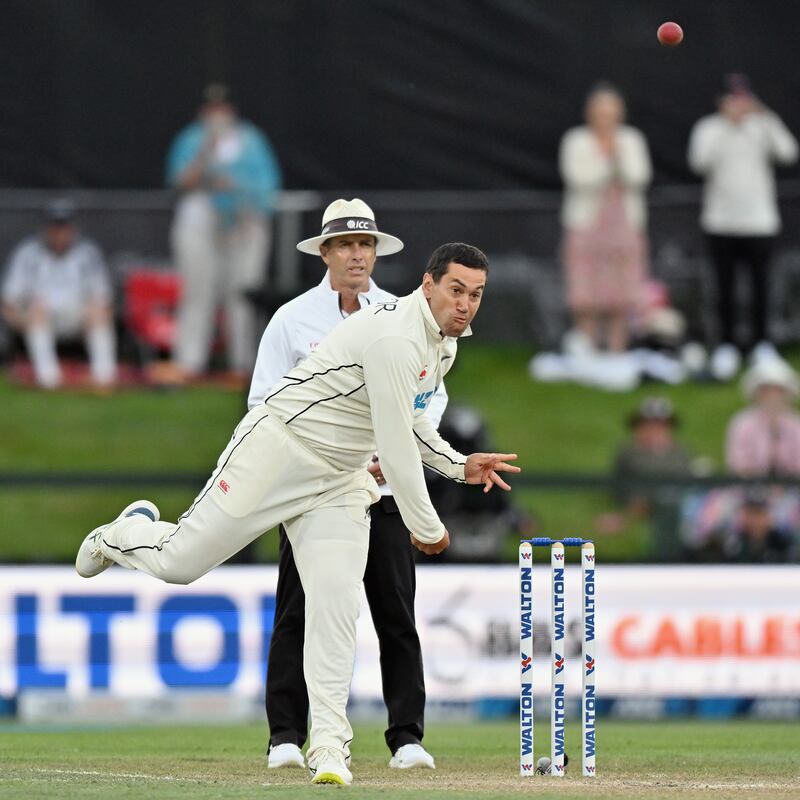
(605, 166)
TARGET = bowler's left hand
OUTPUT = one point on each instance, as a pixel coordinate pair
(483, 468)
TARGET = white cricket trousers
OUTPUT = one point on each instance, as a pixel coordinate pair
(266, 476)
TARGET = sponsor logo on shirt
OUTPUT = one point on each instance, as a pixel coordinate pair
(421, 400)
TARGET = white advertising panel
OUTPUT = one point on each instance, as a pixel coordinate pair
(677, 631)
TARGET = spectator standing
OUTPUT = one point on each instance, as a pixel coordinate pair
(57, 287)
(227, 174)
(763, 440)
(605, 166)
(735, 151)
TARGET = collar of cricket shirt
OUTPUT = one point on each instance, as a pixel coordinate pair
(430, 321)
(372, 295)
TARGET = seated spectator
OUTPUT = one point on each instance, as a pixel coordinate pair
(652, 452)
(57, 287)
(763, 440)
(758, 533)
(484, 523)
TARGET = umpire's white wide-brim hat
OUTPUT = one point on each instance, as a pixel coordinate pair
(351, 216)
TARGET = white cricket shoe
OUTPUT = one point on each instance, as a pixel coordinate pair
(764, 351)
(90, 560)
(285, 755)
(329, 767)
(725, 362)
(412, 755)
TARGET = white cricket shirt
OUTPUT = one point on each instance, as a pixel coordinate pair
(297, 328)
(365, 389)
(737, 162)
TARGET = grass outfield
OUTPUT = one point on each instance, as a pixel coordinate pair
(685, 760)
(553, 427)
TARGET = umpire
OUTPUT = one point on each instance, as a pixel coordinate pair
(348, 244)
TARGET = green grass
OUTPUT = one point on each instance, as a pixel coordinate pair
(558, 427)
(635, 760)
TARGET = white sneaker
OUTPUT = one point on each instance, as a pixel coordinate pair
(694, 358)
(412, 755)
(90, 560)
(764, 351)
(725, 362)
(329, 768)
(285, 755)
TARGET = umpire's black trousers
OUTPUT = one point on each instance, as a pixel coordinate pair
(390, 585)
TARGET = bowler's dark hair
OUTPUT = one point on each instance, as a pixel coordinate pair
(458, 252)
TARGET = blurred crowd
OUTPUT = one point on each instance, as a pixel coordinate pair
(625, 328)
(753, 519)
(57, 293)
(57, 289)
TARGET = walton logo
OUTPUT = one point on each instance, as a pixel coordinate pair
(558, 663)
(224, 485)
(589, 664)
(526, 555)
(558, 556)
(527, 767)
(526, 662)
(589, 557)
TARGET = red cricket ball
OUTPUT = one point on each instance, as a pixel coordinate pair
(670, 34)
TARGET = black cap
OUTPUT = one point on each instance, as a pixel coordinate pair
(60, 211)
(756, 497)
(736, 83)
(654, 408)
(216, 94)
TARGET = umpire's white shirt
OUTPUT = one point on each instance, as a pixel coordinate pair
(297, 328)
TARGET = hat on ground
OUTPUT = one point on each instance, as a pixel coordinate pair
(59, 211)
(770, 372)
(654, 408)
(351, 216)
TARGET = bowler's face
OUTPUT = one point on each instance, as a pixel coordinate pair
(350, 260)
(455, 299)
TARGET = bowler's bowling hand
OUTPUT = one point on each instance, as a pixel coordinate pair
(432, 549)
(483, 468)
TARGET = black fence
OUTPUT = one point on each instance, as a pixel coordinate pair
(519, 230)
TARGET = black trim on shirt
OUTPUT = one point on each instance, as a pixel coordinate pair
(443, 455)
(301, 381)
(324, 400)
